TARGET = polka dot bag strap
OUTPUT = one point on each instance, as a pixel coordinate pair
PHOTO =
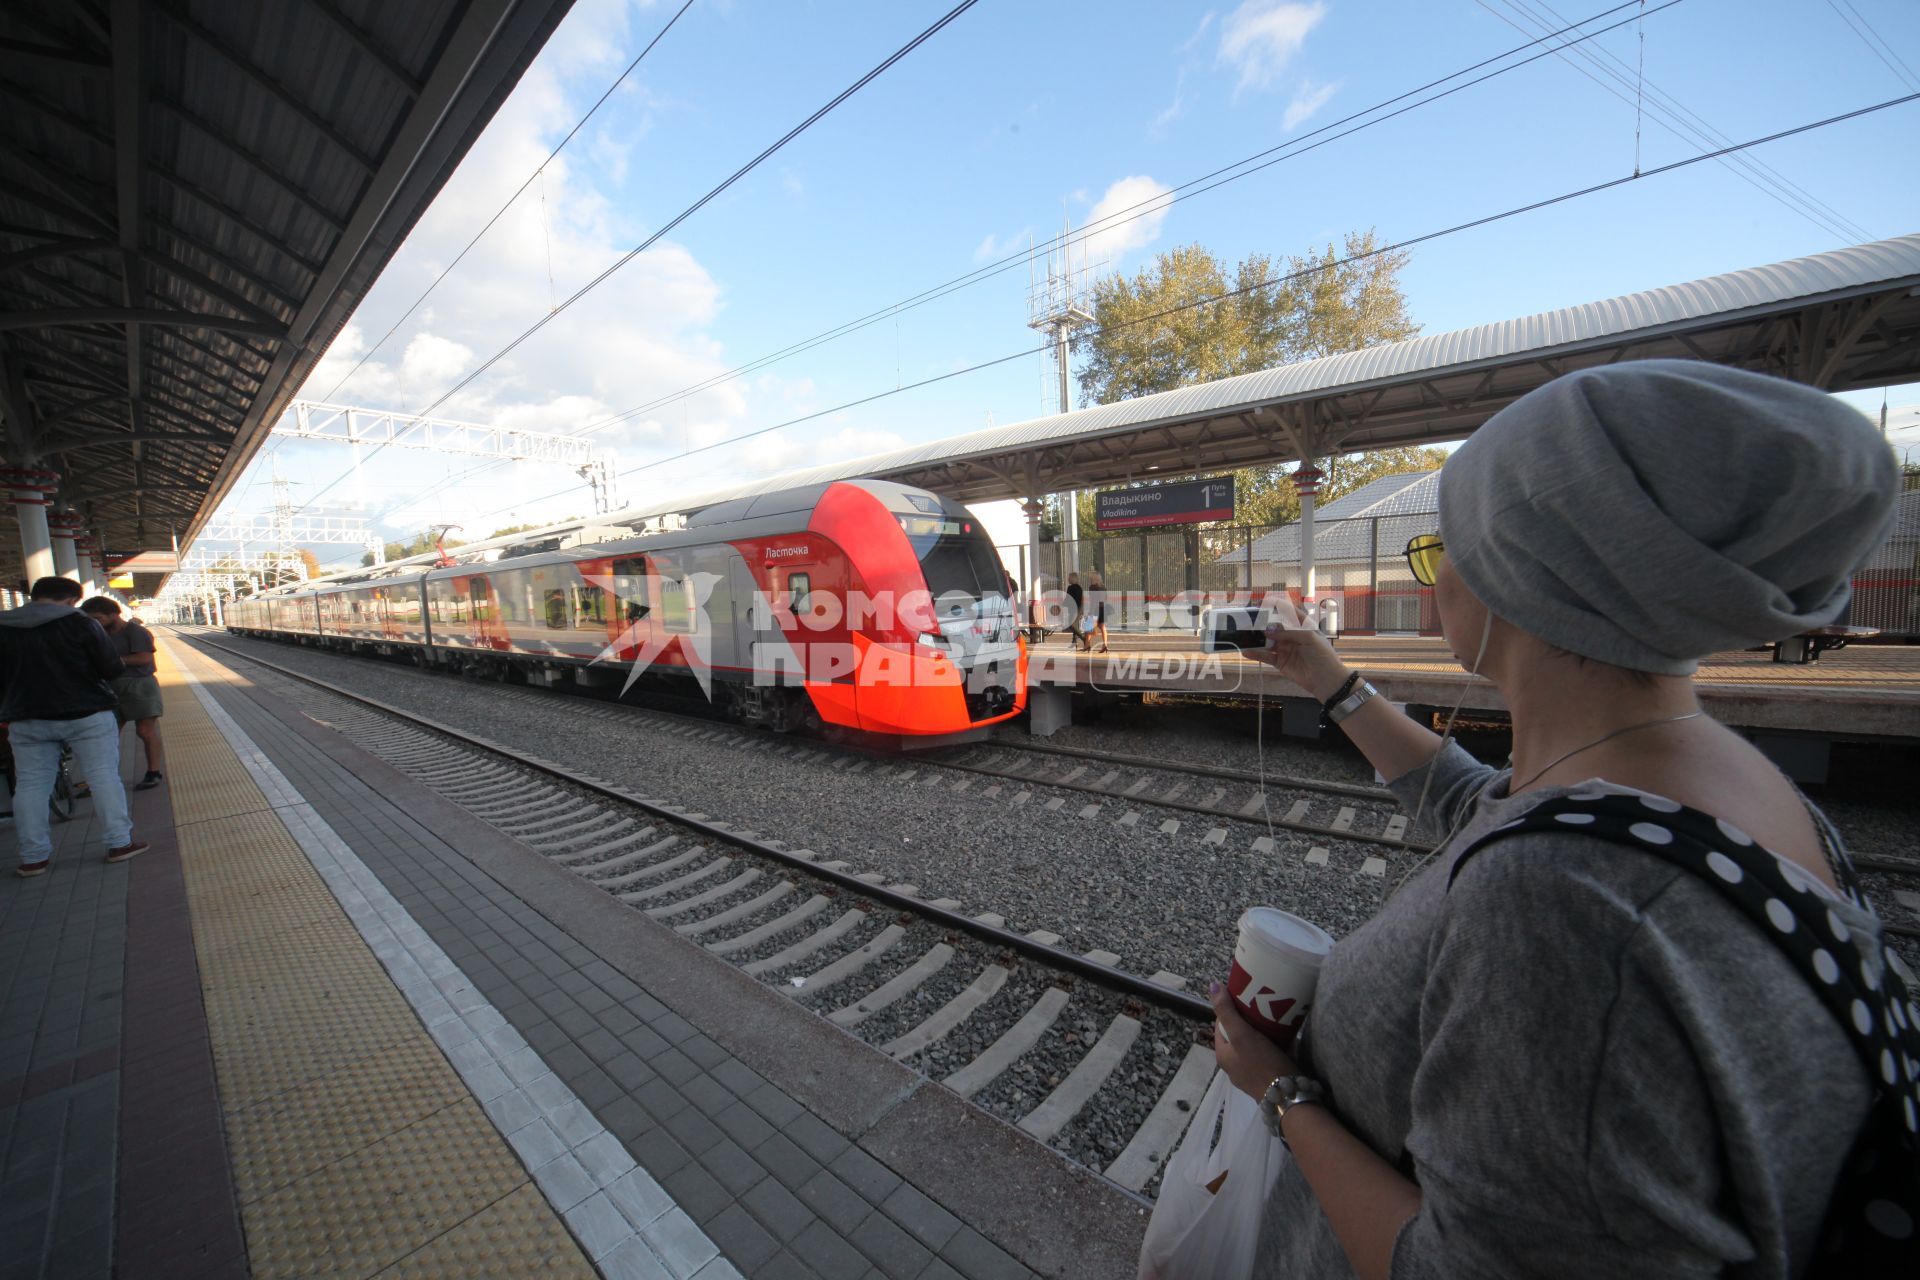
(1873, 1224)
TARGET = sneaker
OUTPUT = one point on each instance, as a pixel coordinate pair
(26, 869)
(149, 782)
(126, 851)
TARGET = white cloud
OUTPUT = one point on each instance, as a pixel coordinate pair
(1173, 111)
(1307, 99)
(1133, 228)
(995, 247)
(1261, 37)
(1199, 32)
(636, 340)
(784, 450)
(430, 359)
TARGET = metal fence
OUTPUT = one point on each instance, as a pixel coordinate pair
(1361, 565)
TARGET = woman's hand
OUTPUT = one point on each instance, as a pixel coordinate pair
(1250, 1060)
(1305, 657)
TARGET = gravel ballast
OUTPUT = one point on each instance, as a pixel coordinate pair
(1160, 901)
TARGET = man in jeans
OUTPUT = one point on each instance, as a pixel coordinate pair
(55, 663)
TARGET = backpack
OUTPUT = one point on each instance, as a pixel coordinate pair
(1870, 1227)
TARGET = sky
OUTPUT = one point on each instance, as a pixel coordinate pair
(1016, 120)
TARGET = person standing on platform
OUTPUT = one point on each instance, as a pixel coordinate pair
(139, 689)
(55, 664)
(1078, 595)
(1097, 607)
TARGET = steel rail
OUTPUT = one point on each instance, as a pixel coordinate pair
(1106, 975)
(1183, 806)
(1355, 790)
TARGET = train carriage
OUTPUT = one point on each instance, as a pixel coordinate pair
(859, 604)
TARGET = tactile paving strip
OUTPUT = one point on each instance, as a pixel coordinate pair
(356, 1149)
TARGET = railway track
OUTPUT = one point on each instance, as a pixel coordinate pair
(1101, 1064)
(1895, 886)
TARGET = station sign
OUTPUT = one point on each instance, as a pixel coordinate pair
(1188, 502)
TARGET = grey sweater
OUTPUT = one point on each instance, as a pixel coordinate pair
(1593, 1064)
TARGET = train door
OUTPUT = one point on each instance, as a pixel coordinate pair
(772, 655)
(488, 629)
(631, 611)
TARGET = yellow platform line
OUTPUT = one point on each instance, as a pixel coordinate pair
(356, 1148)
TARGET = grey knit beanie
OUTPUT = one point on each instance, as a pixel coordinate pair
(1650, 513)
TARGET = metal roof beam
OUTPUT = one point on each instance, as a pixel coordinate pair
(129, 100)
(58, 247)
(71, 61)
(384, 60)
(235, 217)
(193, 343)
(21, 426)
(245, 65)
(62, 317)
(72, 411)
(113, 439)
(259, 164)
(207, 285)
(250, 274)
(82, 205)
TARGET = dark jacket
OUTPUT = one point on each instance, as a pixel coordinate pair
(55, 662)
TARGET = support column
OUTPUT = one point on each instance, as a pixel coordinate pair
(92, 583)
(1034, 509)
(1306, 481)
(31, 489)
(64, 525)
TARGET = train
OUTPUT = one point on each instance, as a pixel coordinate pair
(858, 606)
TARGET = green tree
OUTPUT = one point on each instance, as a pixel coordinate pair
(1149, 335)
(1157, 331)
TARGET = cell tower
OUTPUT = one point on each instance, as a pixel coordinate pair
(1058, 304)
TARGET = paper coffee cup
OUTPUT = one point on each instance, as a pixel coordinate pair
(1276, 965)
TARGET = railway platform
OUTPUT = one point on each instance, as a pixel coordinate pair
(330, 1023)
(1861, 692)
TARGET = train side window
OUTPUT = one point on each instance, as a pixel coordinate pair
(589, 607)
(676, 596)
(554, 605)
(630, 589)
(799, 587)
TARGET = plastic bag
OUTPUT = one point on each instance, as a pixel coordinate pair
(1206, 1224)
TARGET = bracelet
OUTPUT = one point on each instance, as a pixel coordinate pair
(1346, 687)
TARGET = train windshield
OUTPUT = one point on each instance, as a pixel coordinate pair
(956, 557)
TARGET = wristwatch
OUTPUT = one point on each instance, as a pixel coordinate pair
(1287, 1092)
(1362, 694)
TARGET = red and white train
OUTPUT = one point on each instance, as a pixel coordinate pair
(860, 604)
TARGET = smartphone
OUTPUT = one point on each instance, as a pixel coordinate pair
(1236, 628)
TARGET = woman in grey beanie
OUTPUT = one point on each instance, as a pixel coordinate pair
(1579, 1053)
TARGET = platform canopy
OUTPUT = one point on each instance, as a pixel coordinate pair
(194, 197)
(1840, 321)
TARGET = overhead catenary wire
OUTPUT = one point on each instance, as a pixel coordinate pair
(1859, 25)
(554, 312)
(1215, 299)
(1294, 147)
(501, 211)
(704, 200)
(1670, 114)
(1248, 165)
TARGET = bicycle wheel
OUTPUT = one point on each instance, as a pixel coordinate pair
(61, 801)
